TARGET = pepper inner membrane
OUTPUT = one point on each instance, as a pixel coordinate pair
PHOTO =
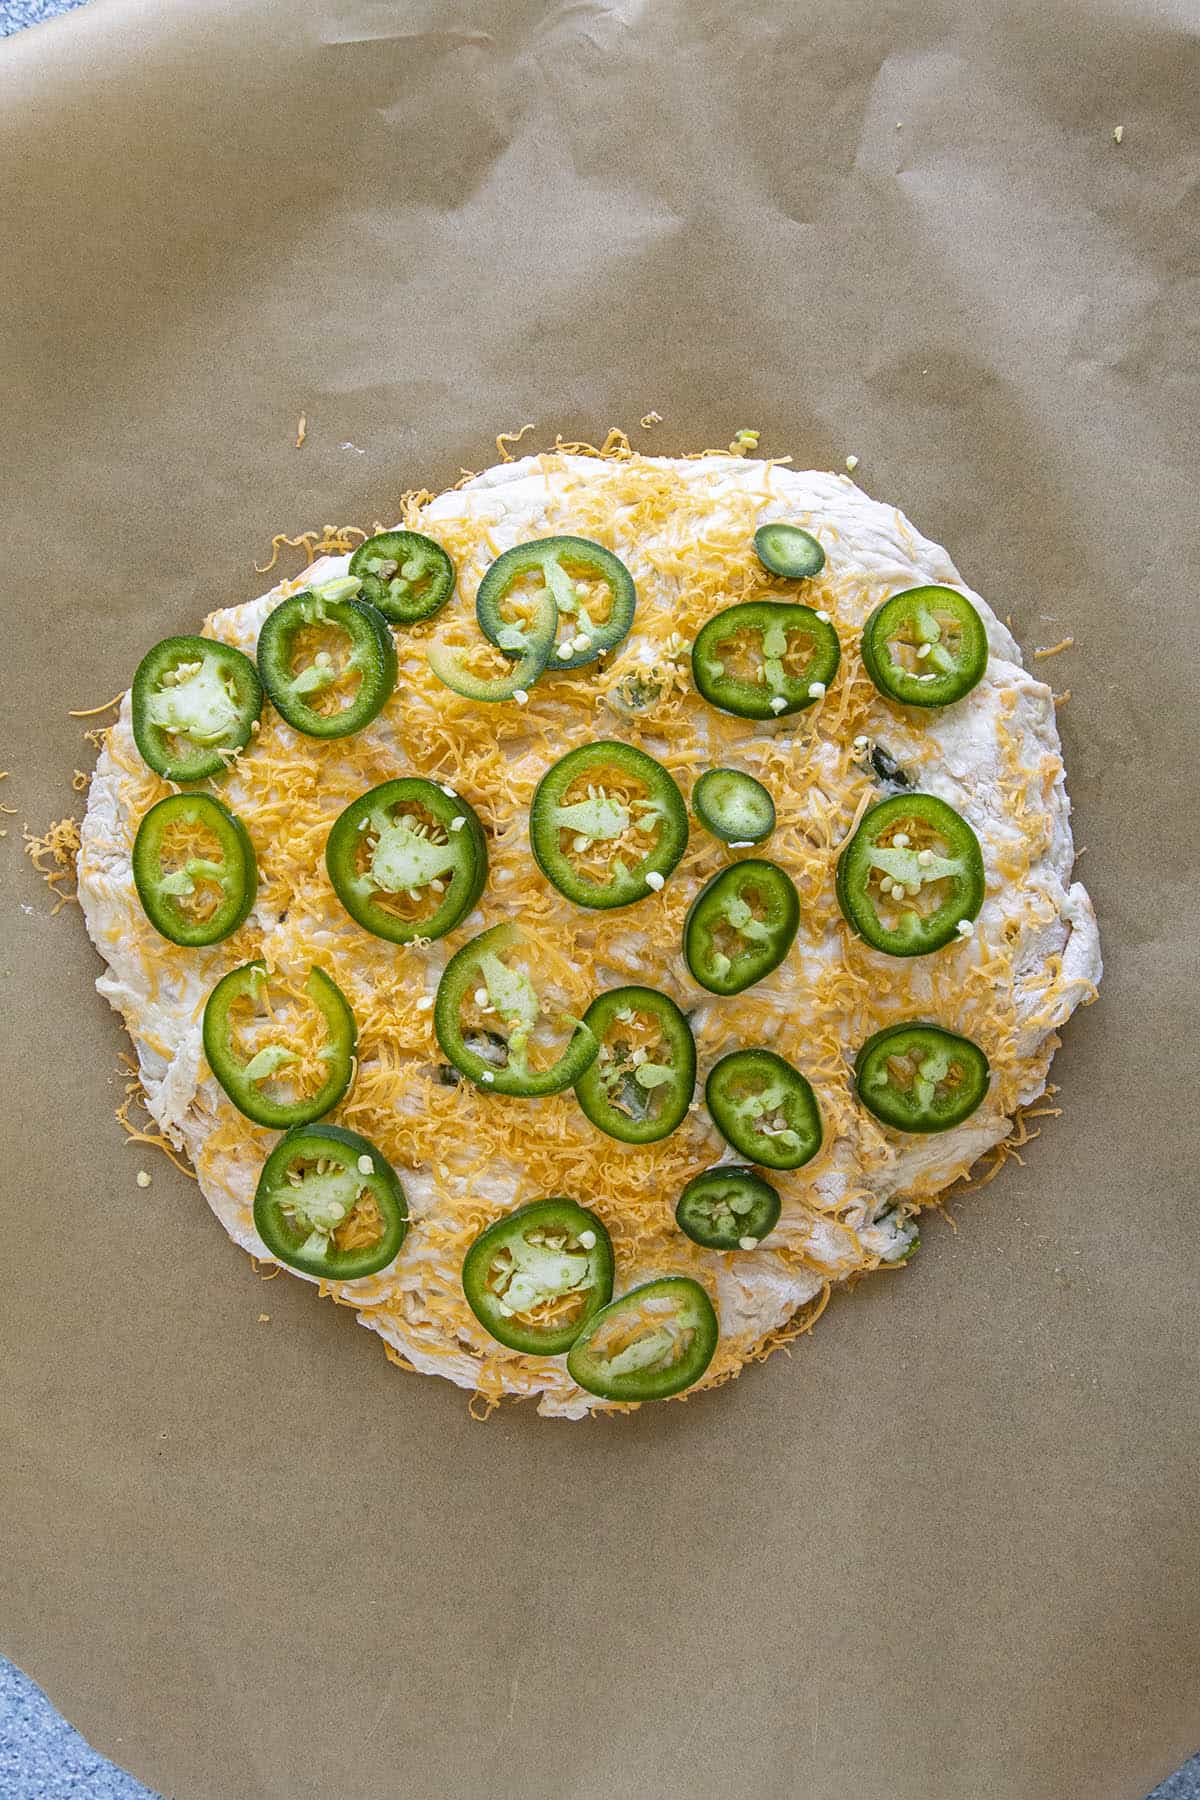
(929, 1076)
(410, 859)
(645, 1335)
(912, 868)
(776, 655)
(927, 640)
(583, 598)
(635, 1064)
(321, 668)
(542, 1279)
(194, 701)
(191, 867)
(762, 1102)
(275, 1020)
(608, 822)
(737, 920)
(516, 1012)
(331, 1202)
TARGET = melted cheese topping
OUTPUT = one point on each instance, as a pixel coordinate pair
(685, 529)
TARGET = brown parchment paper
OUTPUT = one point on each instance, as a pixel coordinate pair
(948, 1548)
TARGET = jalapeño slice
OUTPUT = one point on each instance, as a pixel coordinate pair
(910, 875)
(764, 658)
(407, 860)
(327, 659)
(593, 593)
(330, 1204)
(607, 824)
(651, 1343)
(451, 663)
(925, 647)
(640, 1086)
(727, 1208)
(193, 705)
(919, 1077)
(404, 574)
(788, 550)
(741, 925)
(734, 807)
(268, 1071)
(194, 869)
(537, 1277)
(764, 1108)
(482, 998)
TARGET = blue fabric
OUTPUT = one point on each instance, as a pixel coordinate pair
(16, 14)
(41, 1757)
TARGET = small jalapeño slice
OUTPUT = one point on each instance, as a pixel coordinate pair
(536, 1278)
(593, 593)
(249, 1048)
(487, 1003)
(404, 574)
(919, 1077)
(911, 875)
(193, 705)
(327, 660)
(734, 807)
(651, 1343)
(330, 1204)
(194, 869)
(925, 647)
(741, 925)
(407, 860)
(727, 1208)
(640, 1086)
(607, 824)
(763, 658)
(788, 550)
(764, 1108)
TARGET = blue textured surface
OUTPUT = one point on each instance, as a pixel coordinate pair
(16, 14)
(41, 1757)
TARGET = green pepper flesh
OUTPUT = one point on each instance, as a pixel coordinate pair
(321, 1181)
(478, 976)
(734, 807)
(404, 574)
(926, 646)
(728, 1208)
(563, 565)
(607, 794)
(243, 1079)
(918, 1077)
(193, 705)
(653, 1342)
(741, 925)
(640, 1085)
(407, 860)
(788, 550)
(765, 1108)
(295, 684)
(762, 659)
(194, 894)
(911, 876)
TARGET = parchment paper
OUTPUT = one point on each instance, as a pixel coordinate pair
(946, 1550)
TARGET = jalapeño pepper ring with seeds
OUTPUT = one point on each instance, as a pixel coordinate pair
(408, 859)
(496, 870)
